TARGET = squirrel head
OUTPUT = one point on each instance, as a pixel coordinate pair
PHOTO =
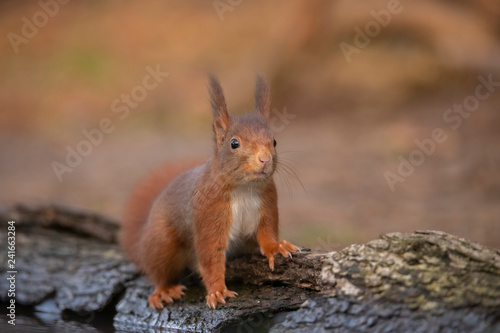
(244, 145)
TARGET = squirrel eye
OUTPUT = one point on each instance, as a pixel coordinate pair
(235, 144)
(274, 143)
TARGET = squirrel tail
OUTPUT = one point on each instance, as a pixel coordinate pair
(140, 202)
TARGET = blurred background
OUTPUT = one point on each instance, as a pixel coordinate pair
(354, 86)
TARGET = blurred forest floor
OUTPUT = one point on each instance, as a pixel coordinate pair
(353, 120)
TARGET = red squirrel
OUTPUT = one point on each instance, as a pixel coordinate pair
(196, 218)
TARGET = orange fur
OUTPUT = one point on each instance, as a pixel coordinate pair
(140, 202)
(177, 220)
(212, 225)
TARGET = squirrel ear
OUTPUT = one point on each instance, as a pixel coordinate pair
(262, 97)
(219, 108)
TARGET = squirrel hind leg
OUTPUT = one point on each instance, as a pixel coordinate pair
(164, 258)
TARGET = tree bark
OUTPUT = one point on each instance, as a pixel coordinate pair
(425, 280)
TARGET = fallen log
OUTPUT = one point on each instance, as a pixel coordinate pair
(69, 261)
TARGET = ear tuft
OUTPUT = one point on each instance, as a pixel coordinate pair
(219, 108)
(262, 97)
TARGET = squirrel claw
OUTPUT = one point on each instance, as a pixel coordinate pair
(271, 263)
(219, 297)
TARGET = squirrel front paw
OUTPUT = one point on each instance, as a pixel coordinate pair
(218, 296)
(285, 248)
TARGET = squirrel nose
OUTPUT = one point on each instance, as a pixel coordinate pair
(264, 159)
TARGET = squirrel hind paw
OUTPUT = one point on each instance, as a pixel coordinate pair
(155, 302)
(177, 291)
(165, 295)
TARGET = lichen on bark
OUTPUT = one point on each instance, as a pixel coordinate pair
(427, 270)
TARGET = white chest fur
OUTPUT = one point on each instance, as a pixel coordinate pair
(245, 204)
